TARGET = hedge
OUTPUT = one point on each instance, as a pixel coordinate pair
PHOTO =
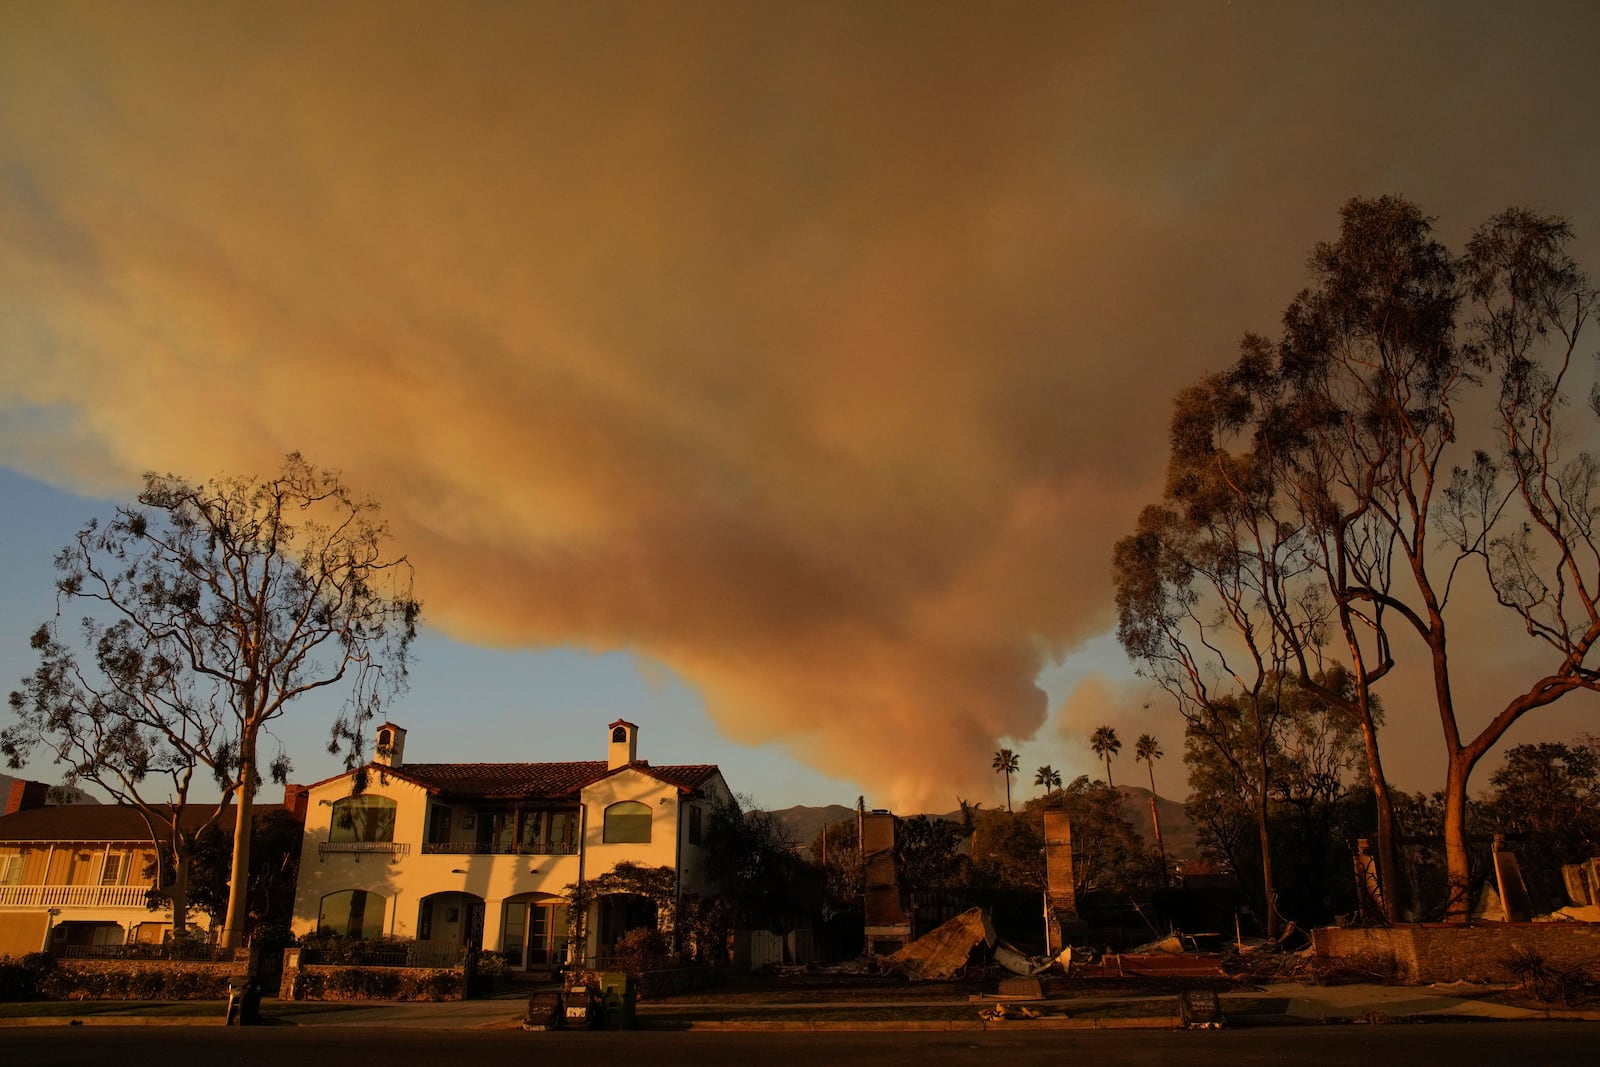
(378, 983)
(22, 977)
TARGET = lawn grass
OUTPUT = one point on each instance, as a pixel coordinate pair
(181, 1009)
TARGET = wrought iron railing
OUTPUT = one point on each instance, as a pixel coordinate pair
(387, 848)
(497, 848)
(72, 896)
(172, 950)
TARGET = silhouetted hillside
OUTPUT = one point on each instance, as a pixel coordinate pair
(1177, 831)
(804, 823)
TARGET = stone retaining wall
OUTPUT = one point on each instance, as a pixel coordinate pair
(1451, 952)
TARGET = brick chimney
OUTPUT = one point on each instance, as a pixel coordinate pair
(296, 798)
(25, 795)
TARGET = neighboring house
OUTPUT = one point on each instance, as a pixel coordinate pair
(481, 854)
(76, 874)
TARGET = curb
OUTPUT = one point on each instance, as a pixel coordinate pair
(111, 1020)
(1149, 1022)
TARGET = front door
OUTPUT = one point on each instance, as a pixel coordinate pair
(535, 933)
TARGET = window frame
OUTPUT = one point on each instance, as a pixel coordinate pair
(358, 831)
(366, 905)
(613, 831)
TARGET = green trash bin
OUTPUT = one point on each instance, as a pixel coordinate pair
(619, 993)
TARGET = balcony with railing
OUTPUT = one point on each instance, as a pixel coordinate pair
(499, 848)
(382, 848)
(73, 896)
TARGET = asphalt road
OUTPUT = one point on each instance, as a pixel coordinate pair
(1458, 1045)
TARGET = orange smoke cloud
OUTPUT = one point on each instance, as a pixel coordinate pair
(821, 360)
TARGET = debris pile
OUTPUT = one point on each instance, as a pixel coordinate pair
(944, 951)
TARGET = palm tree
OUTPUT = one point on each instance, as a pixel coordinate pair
(1006, 763)
(1147, 748)
(1105, 744)
(1048, 777)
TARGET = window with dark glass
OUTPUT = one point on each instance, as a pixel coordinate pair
(363, 818)
(439, 824)
(627, 822)
(694, 824)
(353, 913)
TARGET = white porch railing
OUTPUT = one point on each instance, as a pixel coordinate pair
(72, 896)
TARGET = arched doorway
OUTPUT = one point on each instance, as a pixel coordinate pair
(451, 918)
(620, 913)
(533, 931)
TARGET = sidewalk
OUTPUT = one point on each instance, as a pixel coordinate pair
(1278, 1004)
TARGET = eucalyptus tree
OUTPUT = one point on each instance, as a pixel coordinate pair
(130, 721)
(1389, 361)
(1210, 588)
(1412, 426)
(212, 607)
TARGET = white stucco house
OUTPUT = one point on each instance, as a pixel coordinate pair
(481, 854)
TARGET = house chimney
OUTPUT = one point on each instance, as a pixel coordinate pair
(624, 747)
(390, 748)
(25, 795)
(296, 799)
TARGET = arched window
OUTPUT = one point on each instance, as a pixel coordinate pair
(363, 818)
(353, 913)
(619, 735)
(627, 821)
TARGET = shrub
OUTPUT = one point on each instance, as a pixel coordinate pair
(637, 950)
(485, 970)
(363, 983)
(1375, 966)
(1550, 983)
(379, 983)
(148, 982)
(22, 977)
(434, 985)
(492, 965)
(371, 952)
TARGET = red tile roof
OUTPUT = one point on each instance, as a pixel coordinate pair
(687, 777)
(533, 781)
(501, 780)
(100, 822)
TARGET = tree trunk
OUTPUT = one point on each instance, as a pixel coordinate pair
(1388, 854)
(1457, 866)
(1268, 890)
(239, 879)
(178, 891)
(1155, 818)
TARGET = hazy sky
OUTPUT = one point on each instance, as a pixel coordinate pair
(783, 372)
